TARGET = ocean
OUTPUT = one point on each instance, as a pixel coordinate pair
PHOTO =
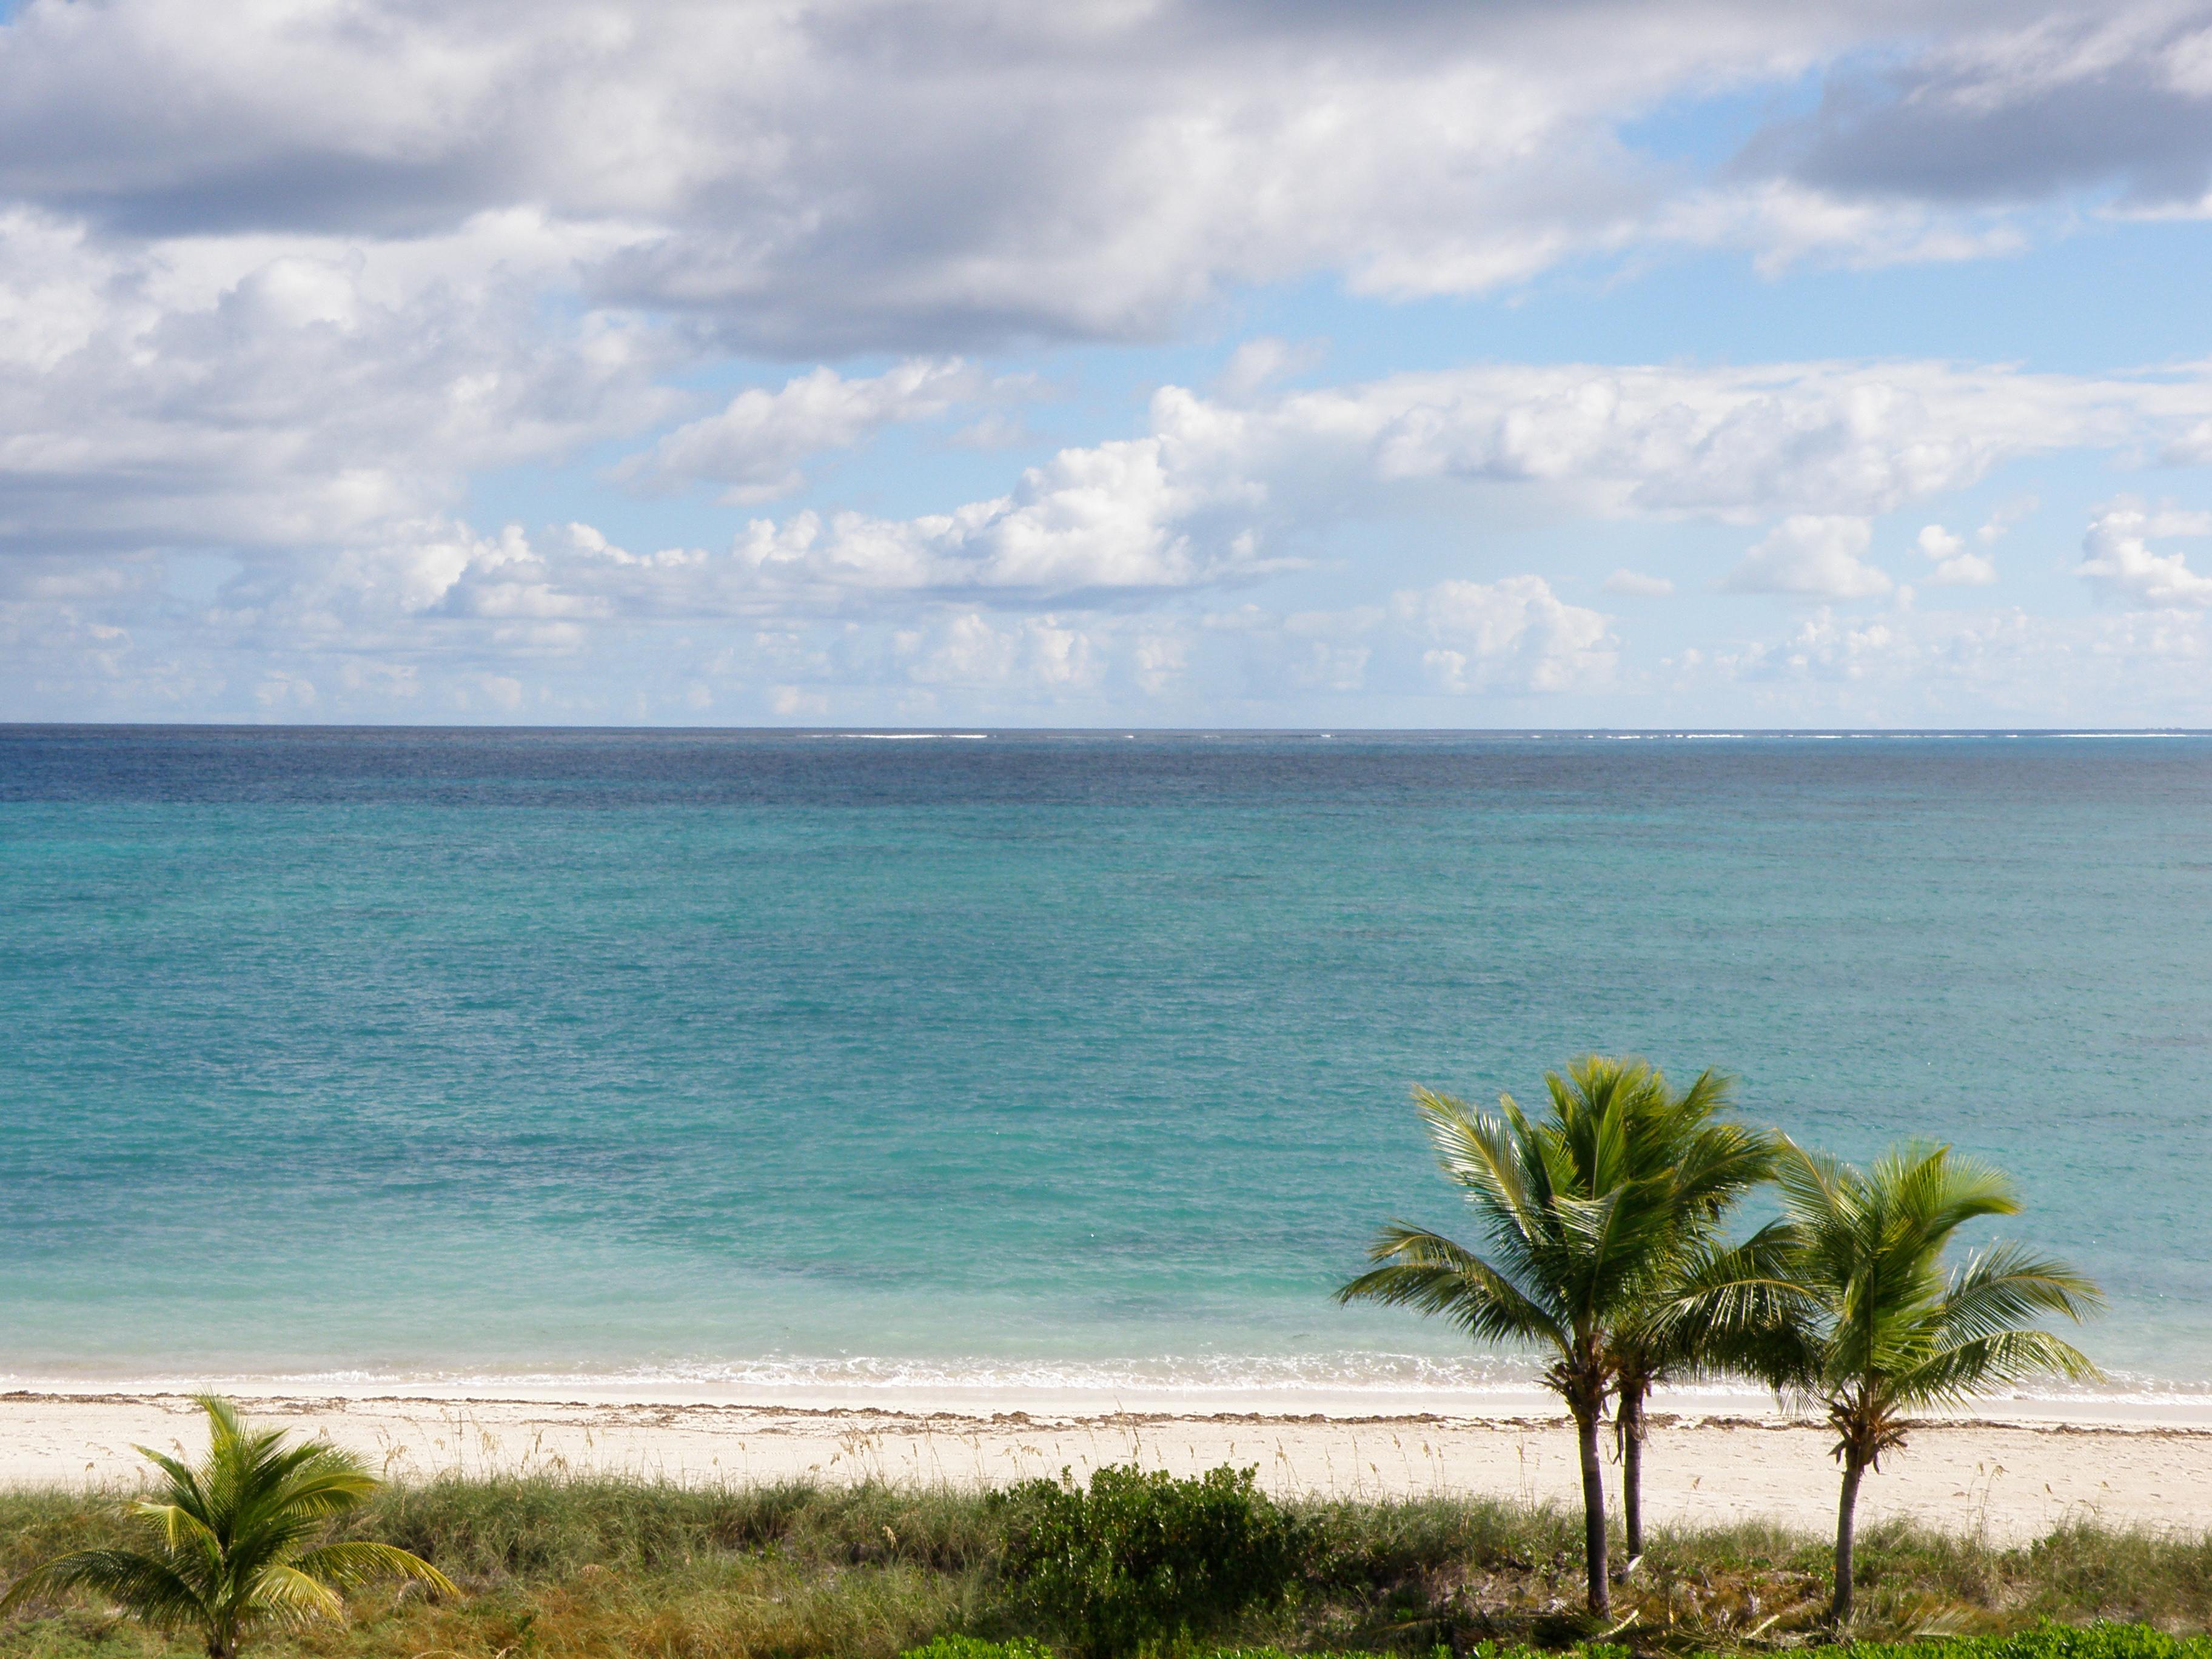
(764, 1059)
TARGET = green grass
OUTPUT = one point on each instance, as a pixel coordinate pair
(582, 1569)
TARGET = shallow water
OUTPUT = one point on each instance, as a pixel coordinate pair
(780, 1056)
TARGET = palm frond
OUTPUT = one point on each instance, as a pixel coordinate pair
(354, 1563)
(1940, 1191)
(181, 1530)
(2004, 1285)
(287, 1596)
(1951, 1374)
(144, 1586)
(185, 1488)
(1434, 1275)
(1482, 1154)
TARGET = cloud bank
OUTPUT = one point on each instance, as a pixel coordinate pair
(282, 287)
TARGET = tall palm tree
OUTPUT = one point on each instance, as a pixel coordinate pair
(235, 1550)
(1578, 1220)
(1681, 1145)
(1873, 1327)
(1704, 1314)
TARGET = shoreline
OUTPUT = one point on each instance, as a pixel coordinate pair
(2179, 1409)
(2012, 1477)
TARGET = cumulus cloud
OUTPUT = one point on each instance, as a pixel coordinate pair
(1215, 493)
(1955, 567)
(755, 445)
(1738, 444)
(382, 249)
(1516, 631)
(1951, 668)
(251, 398)
(1210, 495)
(850, 175)
(969, 649)
(1637, 585)
(2118, 562)
(1810, 555)
(1513, 637)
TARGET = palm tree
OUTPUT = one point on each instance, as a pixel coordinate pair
(1871, 1326)
(1702, 1316)
(234, 1551)
(1681, 1145)
(1579, 1219)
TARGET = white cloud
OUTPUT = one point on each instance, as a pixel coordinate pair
(1208, 496)
(1809, 554)
(1954, 566)
(277, 400)
(845, 174)
(1117, 518)
(1637, 585)
(1216, 494)
(1516, 631)
(1264, 359)
(2002, 520)
(1738, 444)
(1952, 668)
(755, 444)
(969, 649)
(284, 323)
(2118, 562)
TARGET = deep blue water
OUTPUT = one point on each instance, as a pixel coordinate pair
(416, 1051)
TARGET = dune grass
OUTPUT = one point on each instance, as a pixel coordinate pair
(558, 1568)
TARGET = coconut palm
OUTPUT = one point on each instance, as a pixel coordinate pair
(1681, 1145)
(1872, 1325)
(235, 1548)
(1704, 1314)
(1579, 1220)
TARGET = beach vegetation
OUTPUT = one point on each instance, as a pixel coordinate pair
(1137, 1557)
(1873, 1327)
(2098, 1641)
(1589, 1216)
(977, 1647)
(238, 1543)
(569, 1567)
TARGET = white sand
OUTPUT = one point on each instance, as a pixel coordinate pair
(2015, 1479)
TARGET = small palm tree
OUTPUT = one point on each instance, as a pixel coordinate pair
(1872, 1328)
(1578, 1223)
(235, 1550)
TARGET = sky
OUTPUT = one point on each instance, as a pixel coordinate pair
(1559, 363)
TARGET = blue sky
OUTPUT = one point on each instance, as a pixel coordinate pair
(1685, 362)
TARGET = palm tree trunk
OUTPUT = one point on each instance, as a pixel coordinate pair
(1600, 1593)
(1839, 1608)
(1629, 1416)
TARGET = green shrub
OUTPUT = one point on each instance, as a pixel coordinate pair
(2099, 1641)
(2103, 1640)
(975, 1647)
(1481, 1650)
(1135, 1558)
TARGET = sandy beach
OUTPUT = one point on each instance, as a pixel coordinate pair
(2016, 1478)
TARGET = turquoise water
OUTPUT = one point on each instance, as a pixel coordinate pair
(773, 1056)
